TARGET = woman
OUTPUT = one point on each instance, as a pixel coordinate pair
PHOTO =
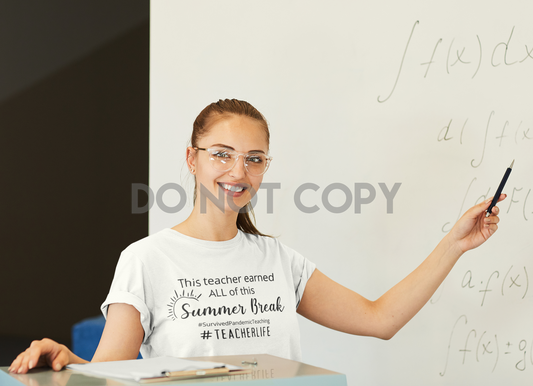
(214, 285)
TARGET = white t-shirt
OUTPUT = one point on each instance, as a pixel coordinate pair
(204, 298)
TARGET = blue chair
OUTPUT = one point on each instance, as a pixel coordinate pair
(86, 335)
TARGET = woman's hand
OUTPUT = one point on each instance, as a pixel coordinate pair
(473, 228)
(44, 352)
(121, 339)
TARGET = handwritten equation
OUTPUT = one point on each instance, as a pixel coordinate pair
(515, 283)
(466, 54)
(499, 132)
(470, 346)
(520, 201)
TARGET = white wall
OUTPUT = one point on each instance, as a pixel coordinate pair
(318, 71)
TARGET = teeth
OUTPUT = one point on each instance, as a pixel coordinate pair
(233, 188)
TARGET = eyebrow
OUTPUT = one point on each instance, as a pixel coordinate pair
(229, 147)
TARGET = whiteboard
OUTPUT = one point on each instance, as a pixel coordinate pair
(432, 95)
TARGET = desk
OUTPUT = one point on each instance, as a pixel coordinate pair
(270, 370)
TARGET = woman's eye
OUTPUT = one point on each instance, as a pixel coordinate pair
(255, 159)
(221, 154)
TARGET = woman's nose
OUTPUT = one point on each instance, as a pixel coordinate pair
(238, 170)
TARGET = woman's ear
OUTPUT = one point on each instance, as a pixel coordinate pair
(191, 159)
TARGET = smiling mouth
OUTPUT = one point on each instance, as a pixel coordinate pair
(232, 188)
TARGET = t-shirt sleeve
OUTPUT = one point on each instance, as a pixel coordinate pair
(130, 285)
(302, 269)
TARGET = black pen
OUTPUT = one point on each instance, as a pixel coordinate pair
(499, 191)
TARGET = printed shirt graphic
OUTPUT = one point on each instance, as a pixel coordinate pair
(203, 298)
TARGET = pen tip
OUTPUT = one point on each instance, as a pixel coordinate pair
(510, 167)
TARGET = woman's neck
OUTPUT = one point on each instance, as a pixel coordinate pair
(212, 226)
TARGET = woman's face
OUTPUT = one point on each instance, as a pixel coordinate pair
(237, 133)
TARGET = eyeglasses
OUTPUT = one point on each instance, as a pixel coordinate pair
(224, 160)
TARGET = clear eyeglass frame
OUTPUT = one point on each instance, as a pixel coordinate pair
(234, 156)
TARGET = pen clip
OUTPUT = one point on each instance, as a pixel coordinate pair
(167, 373)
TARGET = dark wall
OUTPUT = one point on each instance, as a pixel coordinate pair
(40, 37)
(71, 145)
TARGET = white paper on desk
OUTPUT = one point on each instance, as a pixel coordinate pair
(137, 369)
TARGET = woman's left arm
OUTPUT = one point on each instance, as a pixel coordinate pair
(332, 305)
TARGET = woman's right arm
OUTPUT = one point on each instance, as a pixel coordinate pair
(121, 340)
